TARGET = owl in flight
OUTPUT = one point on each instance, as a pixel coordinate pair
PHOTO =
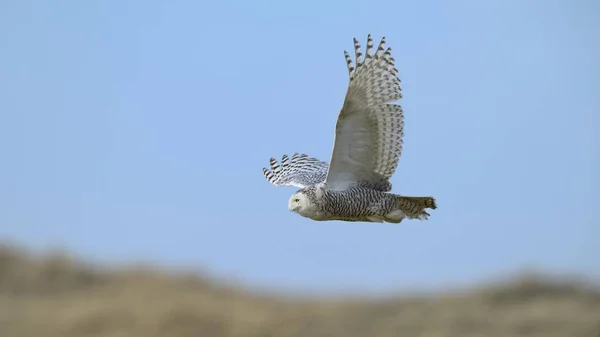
(355, 185)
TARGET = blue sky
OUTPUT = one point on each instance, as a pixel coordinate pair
(138, 130)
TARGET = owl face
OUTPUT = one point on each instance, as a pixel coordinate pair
(298, 202)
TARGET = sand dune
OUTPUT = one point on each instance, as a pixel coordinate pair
(60, 296)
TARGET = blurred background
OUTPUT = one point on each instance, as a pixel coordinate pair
(133, 136)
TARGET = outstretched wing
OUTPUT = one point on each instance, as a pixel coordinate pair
(300, 171)
(369, 130)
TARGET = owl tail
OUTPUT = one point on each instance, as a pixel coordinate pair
(414, 207)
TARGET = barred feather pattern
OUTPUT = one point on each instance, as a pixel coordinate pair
(388, 120)
(360, 203)
(368, 123)
(300, 170)
(376, 78)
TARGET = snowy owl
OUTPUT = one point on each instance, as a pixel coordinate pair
(366, 150)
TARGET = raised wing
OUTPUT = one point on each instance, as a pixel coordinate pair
(300, 171)
(369, 130)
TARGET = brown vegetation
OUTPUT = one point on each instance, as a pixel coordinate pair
(57, 296)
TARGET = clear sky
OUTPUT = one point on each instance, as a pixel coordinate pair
(138, 130)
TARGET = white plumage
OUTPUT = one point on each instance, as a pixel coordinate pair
(366, 150)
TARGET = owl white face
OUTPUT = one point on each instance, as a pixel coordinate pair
(298, 202)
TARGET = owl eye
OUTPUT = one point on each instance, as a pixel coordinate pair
(296, 200)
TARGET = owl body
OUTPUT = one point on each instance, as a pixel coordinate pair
(355, 185)
(354, 204)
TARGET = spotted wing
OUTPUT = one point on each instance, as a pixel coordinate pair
(369, 130)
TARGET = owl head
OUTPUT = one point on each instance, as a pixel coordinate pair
(299, 202)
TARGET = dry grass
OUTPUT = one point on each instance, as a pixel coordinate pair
(57, 296)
